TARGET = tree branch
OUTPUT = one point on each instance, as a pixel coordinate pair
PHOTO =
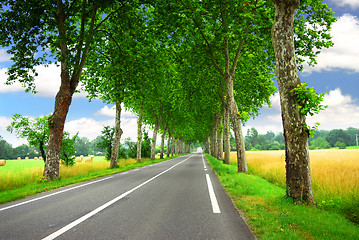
(108, 16)
(209, 48)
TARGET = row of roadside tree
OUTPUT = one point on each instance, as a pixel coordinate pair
(191, 69)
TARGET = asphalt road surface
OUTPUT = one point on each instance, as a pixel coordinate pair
(176, 199)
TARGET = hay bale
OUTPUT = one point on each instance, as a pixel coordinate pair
(19, 158)
(40, 158)
(36, 158)
(2, 162)
(26, 158)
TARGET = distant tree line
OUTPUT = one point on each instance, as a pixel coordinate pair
(83, 146)
(323, 139)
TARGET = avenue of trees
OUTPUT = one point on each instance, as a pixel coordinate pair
(191, 69)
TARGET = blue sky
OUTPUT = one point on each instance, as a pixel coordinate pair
(337, 74)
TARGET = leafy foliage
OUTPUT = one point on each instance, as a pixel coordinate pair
(36, 131)
(309, 103)
(309, 100)
(68, 150)
(106, 140)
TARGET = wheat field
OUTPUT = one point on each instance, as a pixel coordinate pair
(335, 173)
(18, 173)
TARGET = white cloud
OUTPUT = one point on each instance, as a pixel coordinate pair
(106, 111)
(275, 100)
(111, 112)
(4, 122)
(345, 52)
(91, 128)
(7, 136)
(47, 82)
(343, 3)
(342, 112)
(4, 57)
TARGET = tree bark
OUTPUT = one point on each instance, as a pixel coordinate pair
(220, 136)
(139, 135)
(163, 139)
(181, 146)
(226, 128)
(56, 125)
(214, 147)
(154, 138)
(237, 126)
(206, 146)
(188, 147)
(117, 137)
(168, 144)
(173, 146)
(42, 151)
(298, 177)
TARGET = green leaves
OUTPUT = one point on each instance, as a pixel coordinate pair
(309, 103)
(309, 100)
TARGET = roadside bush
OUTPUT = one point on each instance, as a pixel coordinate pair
(340, 145)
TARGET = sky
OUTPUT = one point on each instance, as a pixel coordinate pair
(336, 74)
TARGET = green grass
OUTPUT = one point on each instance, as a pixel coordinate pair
(353, 147)
(22, 178)
(271, 216)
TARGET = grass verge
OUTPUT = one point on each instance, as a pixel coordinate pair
(39, 185)
(271, 216)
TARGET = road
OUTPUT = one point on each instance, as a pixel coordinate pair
(176, 199)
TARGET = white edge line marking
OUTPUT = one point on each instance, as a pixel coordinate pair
(52, 194)
(97, 210)
(212, 196)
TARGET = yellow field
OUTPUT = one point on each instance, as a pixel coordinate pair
(18, 173)
(335, 173)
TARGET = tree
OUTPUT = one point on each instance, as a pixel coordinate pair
(338, 135)
(131, 148)
(340, 145)
(296, 134)
(6, 150)
(233, 36)
(36, 131)
(319, 143)
(146, 146)
(67, 28)
(82, 146)
(106, 141)
(68, 149)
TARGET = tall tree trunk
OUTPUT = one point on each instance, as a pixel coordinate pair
(163, 139)
(154, 138)
(237, 126)
(220, 136)
(214, 139)
(227, 136)
(298, 177)
(56, 124)
(176, 146)
(181, 146)
(173, 146)
(117, 137)
(42, 151)
(163, 143)
(168, 144)
(209, 145)
(139, 135)
(188, 147)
